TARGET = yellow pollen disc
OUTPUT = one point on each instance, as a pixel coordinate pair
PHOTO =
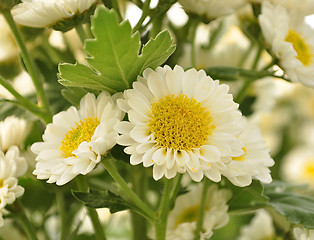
(308, 170)
(188, 215)
(1, 183)
(83, 132)
(303, 50)
(242, 157)
(180, 123)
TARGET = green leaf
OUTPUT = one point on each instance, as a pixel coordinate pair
(297, 208)
(114, 56)
(74, 95)
(103, 198)
(246, 198)
(233, 74)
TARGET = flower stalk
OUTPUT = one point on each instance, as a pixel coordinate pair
(30, 66)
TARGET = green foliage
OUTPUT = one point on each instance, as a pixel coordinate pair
(114, 58)
(246, 198)
(233, 74)
(297, 208)
(103, 198)
(36, 196)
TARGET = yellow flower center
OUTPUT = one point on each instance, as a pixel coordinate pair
(188, 215)
(180, 123)
(83, 132)
(308, 170)
(1, 183)
(242, 157)
(300, 46)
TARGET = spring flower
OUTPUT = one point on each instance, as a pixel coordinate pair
(301, 233)
(180, 122)
(53, 13)
(13, 131)
(260, 228)
(291, 40)
(183, 218)
(255, 161)
(76, 139)
(298, 166)
(11, 167)
(211, 8)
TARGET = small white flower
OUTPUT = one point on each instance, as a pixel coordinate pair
(255, 161)
(211, 8)
(11, 167)
(183, 218)
(260, 228)
(180, 122)
(13, 131)
(291, 40)
(301, 233)
(43, 13)
(298, 166)
(76, 139)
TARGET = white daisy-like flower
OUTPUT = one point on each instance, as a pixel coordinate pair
(211, 8)
(301, 233)
(291, 40)
(11, 167)
(43, 13)
(76, 139)
(182, 220)
(298, 166)
(13, 131)
(254, 163)
(180, 122)
(260, 228)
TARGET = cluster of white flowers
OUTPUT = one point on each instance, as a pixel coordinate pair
(291, 40)
(42, 13)
(76, 139)
(211, 8)
(186, 122)
(12, 134)
(183, 218)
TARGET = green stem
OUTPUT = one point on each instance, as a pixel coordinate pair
(161, 224)
(245, 55)
(98, 228)
(30, 65)
(115, 5)
(125, 188)
(81, 33)
(89, 32)
(201, 210)
(139, 222)
(27, 226)
(176, 188)
(61, 211)
(24, 102)
(243, 91)
(192, 33)
(145, 12)
(257, 57)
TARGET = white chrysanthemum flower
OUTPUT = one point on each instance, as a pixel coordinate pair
(11, 167)
(254, 163)
(291, 40)
(301, 233)
(43, 13)
(211, 8)
(13, 131)
(260, 228)
(298, 166)
(180, 122)
(182, 220)
(76, 139)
